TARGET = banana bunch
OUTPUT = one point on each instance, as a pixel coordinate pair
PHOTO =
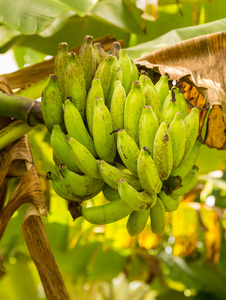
(115, 132)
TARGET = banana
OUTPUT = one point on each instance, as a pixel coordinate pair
(62, 191)
(148, 126)
(102, 127)
(109, 193)
(135, 102)
(173, 94)
(111, 175)
(151, 95)
(94, 92)
(60, 67)
(51, 104)
(81, 185)
(127, 70)
(106, 213)
(163, 156)
(182, 103)
(100, 53)
(147, 172)
(87, 59)
(158, 217)
(61, 150)
(115, 49)
(177, 135)
(75, 87)
(162, 88)
(128, 150)
(137, 221)
(84, 159)
(188, 182)
(170, 202)
(186, 165)
(191, 130)
(76, 127)
(138, 201)
(135, 72)
(118, 105)
(170, 111)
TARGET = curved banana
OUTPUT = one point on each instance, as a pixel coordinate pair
(75, 84)
(188, 182)
(158, 217)
(51, 104)
(177, 135)
(147, 172)
(118, 105)
(60, 67)
(128, 150)
(84, 159)
(109, 193)
(148, 126)
(137, 221)
(135, 102)
(127, 71)
(106, 213)
(87, 59)
(111, 175)
(163, 156)
(95, 91)
(102, 127)
(100, 53)
(171, 202)
(61, 149)
(76, 128)
(138, 201)
(162, 88)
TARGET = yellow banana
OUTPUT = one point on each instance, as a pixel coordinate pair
(171, 202)
(162, 88)
(158, 217)
(118, 105)
(60, 67)
(127, 70)
(100, 53)
(188, 182)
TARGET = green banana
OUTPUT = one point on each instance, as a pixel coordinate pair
(118, 105)
(151, 95)
(60, 67)
(191, 130)
(94, 92)
(61, 150)
(171, 202)
(87, 59)
(186, 165)
(100, 53)
(188, 182)
(138, 201)
(173, 94)
(162, 88)
(163, 156)
(177, 135)
(75, 86)
(137, 221)
(127, 71)
(102, 127)
(115, 49)
(148, 126)
(76, 127)
(111, 175)
(135, 102)
(81, 185)
(170, 111)
(128, 150)
(135, 72)
(84, 159)
(109, 193)
(51, 104)
(106, 213)
(147, 172)
(158, 217)
(182, 103)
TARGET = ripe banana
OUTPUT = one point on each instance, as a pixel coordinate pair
(102, 127)
(162, 88)
(111, 175)
(128, 150)
(138, 201)
(118, 105)
(81, 185)
(84, 159)
(100, 53)
(158, 217)
(163, 156)
(127, 70)
(109, 193)
(75, 86)
(137, 221)
(61, 150)
(148, 126)
(87, 59)
(147, 172)
(135, 102)
(51, 104)
(177, 135)
(171, 202)
(76, 127)
(95, 91)
(60, 67)
(188, 182)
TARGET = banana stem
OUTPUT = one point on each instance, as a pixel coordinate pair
(25, 109)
